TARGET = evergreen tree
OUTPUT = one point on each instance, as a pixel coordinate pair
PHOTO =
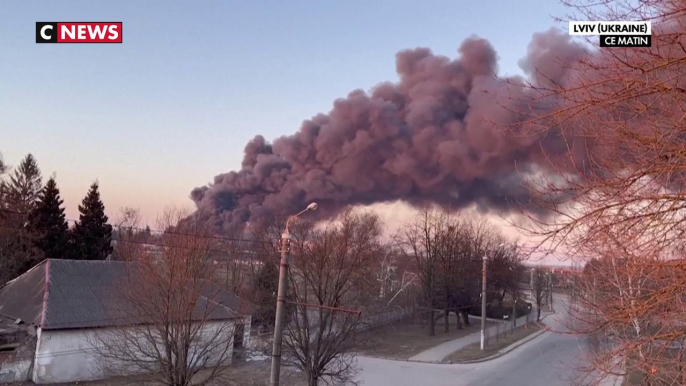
(92, 235)
(49, 225)
(265, 286)
(24, 186)
(3, 167)
(3, 201)
(147, 234)
(19, 197)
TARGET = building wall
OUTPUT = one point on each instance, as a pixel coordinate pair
(14, 369)
(17, 350)
(64, 356)
(246, 334)
(72, 355)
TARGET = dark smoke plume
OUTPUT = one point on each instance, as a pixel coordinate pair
(433, 137)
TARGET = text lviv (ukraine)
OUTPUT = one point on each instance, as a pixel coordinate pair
(615, 33)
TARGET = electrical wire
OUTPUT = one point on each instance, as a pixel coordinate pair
(158, 231)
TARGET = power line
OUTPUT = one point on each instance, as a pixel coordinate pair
(161, 232)
(143, 243)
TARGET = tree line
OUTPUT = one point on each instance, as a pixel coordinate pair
(33, 226)
(447, 252)
(431, 268)
(332, 269)
(338, 268)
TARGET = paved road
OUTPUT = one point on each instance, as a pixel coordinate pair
(549, 360)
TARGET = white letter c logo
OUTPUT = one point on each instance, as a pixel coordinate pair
(42, 32)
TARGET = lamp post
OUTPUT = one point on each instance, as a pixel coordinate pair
(531, 284)
(514, 298)
(281, 299)
(552, 278)
(483, 304)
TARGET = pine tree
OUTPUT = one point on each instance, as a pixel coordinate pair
(49, 225)
(3, 201)
(92, 235)
(19, 197)
(265, 286)
(24, 186)
(3, 167)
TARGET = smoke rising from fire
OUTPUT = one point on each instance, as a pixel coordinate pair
(435, 136)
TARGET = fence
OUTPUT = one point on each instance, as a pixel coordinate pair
(369, 320)
(501, 329)
(382, 318)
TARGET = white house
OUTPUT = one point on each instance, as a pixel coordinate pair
(63, 304)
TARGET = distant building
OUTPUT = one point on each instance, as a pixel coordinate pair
(49, 315)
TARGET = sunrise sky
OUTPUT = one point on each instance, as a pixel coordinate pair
(174, 105)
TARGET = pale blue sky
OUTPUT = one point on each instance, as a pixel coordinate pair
(193, 81)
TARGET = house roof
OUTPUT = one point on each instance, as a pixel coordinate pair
(65, 294)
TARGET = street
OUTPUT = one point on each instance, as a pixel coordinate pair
(550, 359)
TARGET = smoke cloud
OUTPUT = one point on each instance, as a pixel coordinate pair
(435, 136)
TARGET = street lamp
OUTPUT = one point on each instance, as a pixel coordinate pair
(514, 297)
(550, 288)
(531, 283)
(281, 298)
(483, 303)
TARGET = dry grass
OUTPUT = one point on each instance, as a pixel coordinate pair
(243, 374)
(473, 351)
(405, 339)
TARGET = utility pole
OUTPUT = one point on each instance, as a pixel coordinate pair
(550, 290)
(483, 304)
(281, 299)
(531, 284)
(280, 309)
(514, 298)
(514, 315)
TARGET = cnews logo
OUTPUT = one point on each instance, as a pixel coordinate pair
(78, 32)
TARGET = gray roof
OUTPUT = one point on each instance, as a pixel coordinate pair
(86, 294)
(22, 298)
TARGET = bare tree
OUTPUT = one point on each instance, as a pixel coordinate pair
(398, 280)
(478, 238)
(468, 238)
(449, 270)
(125, 233)
(504, 269)
(620, 114)
(540, 290)
(176, 326)
(329, 281)
(447, 251)
(422, 240)
(632, 310)
(265, 242)
(128, 220)
(236, 262)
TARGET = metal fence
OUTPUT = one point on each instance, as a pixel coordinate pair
(502, 329)
(382, 318)
(368, 320)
